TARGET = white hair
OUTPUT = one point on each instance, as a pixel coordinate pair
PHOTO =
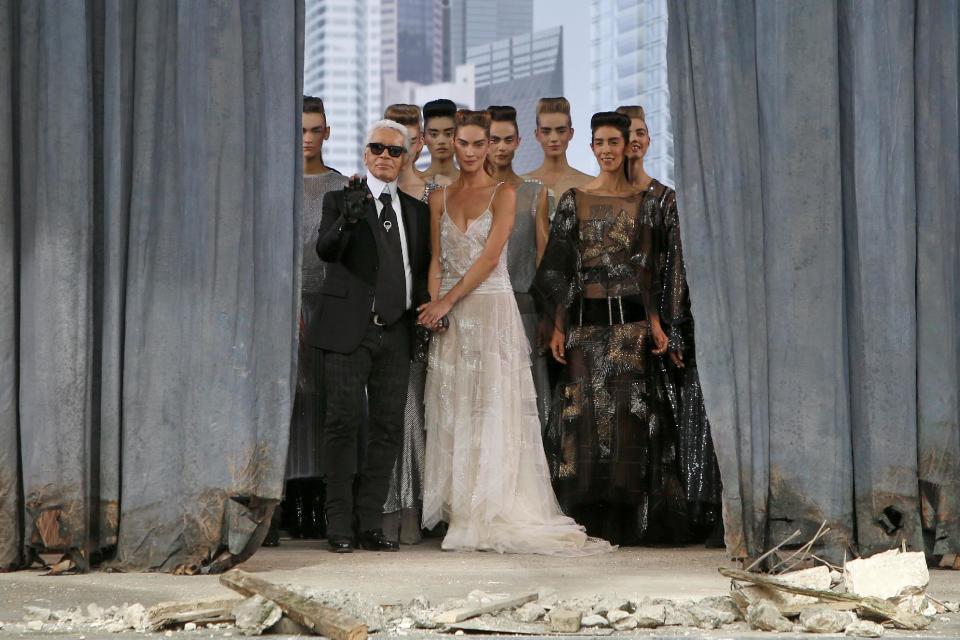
(393, 126)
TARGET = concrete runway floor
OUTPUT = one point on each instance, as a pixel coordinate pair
(396, 578)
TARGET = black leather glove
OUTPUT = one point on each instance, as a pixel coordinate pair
(356, 199)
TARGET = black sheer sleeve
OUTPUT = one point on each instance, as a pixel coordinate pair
(674, 304)
(557, 283)
(643, 256)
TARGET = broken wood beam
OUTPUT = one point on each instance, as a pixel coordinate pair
(170, 614)
(874, 606)
(324, 620)
(459, 615)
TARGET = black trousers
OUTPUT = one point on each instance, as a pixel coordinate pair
(379, 368)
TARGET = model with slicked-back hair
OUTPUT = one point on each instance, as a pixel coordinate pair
(554, 131)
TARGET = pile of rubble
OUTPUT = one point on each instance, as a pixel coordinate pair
(868, 596)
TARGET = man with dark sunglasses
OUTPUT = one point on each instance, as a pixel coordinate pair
(375, 240)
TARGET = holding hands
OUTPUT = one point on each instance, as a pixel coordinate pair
(433, 315)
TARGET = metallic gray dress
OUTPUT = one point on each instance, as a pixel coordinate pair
(522, 266)
(303, 457)
(405, 496)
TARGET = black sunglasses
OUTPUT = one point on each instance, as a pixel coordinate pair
(377, 149)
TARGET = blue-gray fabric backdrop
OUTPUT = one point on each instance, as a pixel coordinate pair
(819, 189)
(149, 202)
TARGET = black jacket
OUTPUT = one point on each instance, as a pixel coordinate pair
(350, 251)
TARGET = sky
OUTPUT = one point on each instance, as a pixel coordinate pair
(574, 17)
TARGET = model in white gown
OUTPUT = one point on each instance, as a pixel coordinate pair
(486, 473)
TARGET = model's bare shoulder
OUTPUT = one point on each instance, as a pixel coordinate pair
(578, 178)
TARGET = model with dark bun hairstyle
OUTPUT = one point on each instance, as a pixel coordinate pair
(554, 132)
(597, 282)
(527, 241)
(438, 126)
(678, 376)
(486, 472)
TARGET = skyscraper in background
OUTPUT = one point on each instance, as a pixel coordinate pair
(342, 62)
(477, 22)
(412, 49)
(518, 71)
(412, 41)
(628, 42)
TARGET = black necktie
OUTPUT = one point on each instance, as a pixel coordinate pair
(391, 295)
(388, 218)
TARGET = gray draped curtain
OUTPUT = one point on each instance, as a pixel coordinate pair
(819, 188)
(149, 202)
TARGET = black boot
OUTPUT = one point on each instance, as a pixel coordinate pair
(315, 514)
(297, 506)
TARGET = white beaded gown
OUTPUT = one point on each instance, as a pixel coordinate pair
(486, 472)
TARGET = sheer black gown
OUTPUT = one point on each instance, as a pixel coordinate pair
(612, 450)
(681, 386)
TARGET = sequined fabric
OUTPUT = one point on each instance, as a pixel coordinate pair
(303, 457)
(613, 456)
(486, 472)
(700, 472)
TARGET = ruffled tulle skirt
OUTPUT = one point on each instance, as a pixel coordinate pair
(486, 473)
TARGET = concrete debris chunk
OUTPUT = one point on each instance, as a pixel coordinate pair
(707, 618)
(615, 616)
(544, 593)
(35, 625)
(865, 629)
(888, 574)
(94, 611)
(814, 578)
(765, 616)
(677, 614)
(530, 612)
(190, 626)
(914, 603)
(626, 624)
(651, 616)
(605, 605)
(565, 620)
(826, 620)
(424, 620)
(135, 617)
(117, 626)
(723, 605)
(37, 613)
(737, 626)
(256, 614)
(594, 620)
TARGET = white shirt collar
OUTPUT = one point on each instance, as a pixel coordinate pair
(377, 186)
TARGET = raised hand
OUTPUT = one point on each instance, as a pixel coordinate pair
(356, 199)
